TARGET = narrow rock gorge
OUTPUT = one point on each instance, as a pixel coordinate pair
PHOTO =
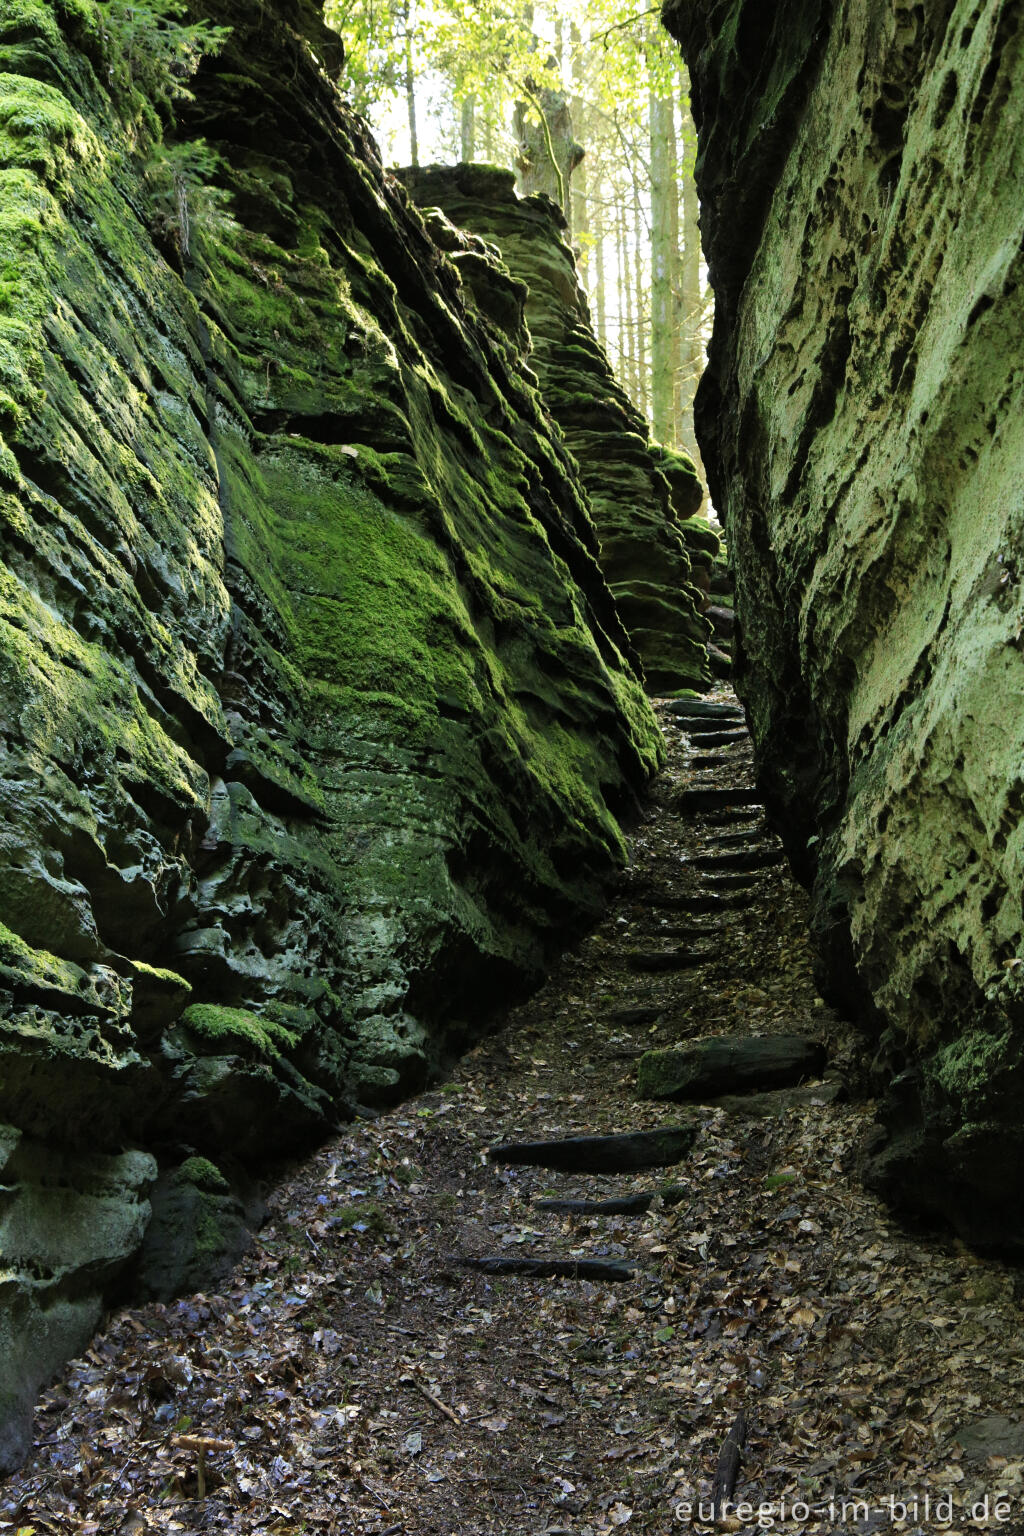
(861, 420)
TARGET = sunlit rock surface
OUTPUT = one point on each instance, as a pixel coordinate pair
(656, 555)
(863, 426)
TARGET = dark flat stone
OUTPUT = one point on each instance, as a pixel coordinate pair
(555, 1269)
(667, 959)
(670, 901)
(696, 800)
(728, 1064)
(994, 1436)
(722, 738)
(741, 881)
(703, 709)
(628, 1205)
(601, 1154)
(739, 859)
(638, 1014)
(703, 729)
(747, 838)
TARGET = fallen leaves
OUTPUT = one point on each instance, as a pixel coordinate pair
(354, 1379)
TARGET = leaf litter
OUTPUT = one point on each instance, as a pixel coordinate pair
(355, 1377)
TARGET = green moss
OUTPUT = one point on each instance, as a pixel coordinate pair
(235, 1027)
(204, 1174)
(29, 967)
(964, 1069)
(158, 975)
(365, 1214)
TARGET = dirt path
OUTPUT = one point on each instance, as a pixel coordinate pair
(360, 1378)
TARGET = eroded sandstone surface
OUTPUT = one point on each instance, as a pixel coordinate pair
(863, 425)
(319, 719)
(656, 555)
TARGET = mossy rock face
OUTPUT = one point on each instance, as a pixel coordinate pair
(642, 494)
(69, 1226)
(862, 425)
(321, 722)
(197, 1231)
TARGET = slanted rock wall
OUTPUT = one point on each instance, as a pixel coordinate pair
(319, 719)
(656, 555)
(862, 421)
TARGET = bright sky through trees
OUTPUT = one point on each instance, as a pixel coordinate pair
(529, 86)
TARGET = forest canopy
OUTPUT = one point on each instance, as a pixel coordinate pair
(590, 104)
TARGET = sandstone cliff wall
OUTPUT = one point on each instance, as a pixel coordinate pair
(318, 717)
(863, 423)
(656, 555)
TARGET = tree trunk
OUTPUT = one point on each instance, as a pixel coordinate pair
(639, 245)
(467, 129)
(663, 264)
(600, 307)
(691, 343)
(410, 90)
(626, 325)
(546, 149)
(579, 224)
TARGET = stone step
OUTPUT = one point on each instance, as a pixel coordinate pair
(628, 1205)
(739, 859)
(728, 1064)
(703, 709)
(722, 738)
(703, 728)
(715, 760)
(742, 880)
(672, 901)
(624, 1153)
(553, 1269)
(745, 839)
(694, 801)
(666, 959)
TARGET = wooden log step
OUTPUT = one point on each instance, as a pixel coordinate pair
(693, 801)
(625, 1153)
(554, 1269)
(741, 881)
(702, 730)
(748, 838)
(722, 738)
(672, 901)
(703, 709)
(685, 931)
(714, 760)
(730, 1458)
(667, 959)
(739, 858)
(728, 1064)
(628, 1205)
(636, 1015)
(736, 815)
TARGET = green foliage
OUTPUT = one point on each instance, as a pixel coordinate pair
(182, 198)
(151, 50)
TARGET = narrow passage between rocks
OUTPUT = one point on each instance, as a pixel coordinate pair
(559, 1336)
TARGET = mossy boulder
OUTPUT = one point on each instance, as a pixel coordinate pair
(197, 1231)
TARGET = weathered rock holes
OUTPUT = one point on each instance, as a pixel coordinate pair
(948, 92)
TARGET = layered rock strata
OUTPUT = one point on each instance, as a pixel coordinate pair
(319, 719)
(862, 422)
(657, 556)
